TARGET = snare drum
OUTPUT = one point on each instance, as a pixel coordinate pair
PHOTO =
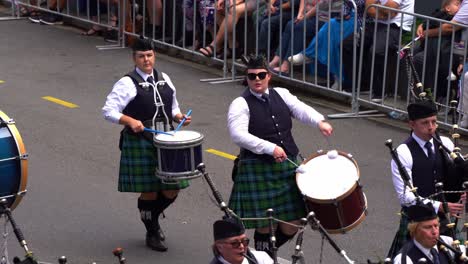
(178, 155)
(330, 185)
(13, 162)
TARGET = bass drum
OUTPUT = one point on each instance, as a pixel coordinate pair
(13, 162)
(330, 184)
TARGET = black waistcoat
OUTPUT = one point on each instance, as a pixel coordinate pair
(425, 173)
(142, 107)
(271, 122)
(414, 253)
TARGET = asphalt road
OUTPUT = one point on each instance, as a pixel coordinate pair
(72, 206)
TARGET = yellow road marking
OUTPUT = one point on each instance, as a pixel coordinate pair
(221, 154)
(2, 81)
(60, 102)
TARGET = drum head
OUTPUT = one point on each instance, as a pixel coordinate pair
(179, 137)
(328, 176)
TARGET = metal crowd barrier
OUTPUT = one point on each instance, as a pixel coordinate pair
(187, 25)
(435, 58)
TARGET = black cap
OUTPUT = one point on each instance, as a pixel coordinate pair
(229, 227)
(421, 212)
(421, 109)
(143, 44)
(255, 62)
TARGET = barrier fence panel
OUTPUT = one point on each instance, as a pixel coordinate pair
(415, 49)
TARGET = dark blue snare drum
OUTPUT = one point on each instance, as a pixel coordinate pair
(13, 162)
(178, 155)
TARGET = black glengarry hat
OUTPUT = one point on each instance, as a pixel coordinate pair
(229, 227)
(255, 62)
(421, 109)
(143, 44)
(421, 212)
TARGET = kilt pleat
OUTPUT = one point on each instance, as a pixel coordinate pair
(260, 185)
(138, 161)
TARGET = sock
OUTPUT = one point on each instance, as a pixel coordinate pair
(262, 242)
(146, 213)
(282, 238)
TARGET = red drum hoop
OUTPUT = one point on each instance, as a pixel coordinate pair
(331, 188)
(13, 162)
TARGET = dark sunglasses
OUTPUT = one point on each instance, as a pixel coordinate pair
(236, 244)
(253, 76)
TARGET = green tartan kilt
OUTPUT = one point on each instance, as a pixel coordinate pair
(401, 237)
(138, 161)
(260, 185)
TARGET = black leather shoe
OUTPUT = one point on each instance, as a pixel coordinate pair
(154, 242)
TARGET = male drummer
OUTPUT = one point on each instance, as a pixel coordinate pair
(260, 123)
(425, 165)
(130, 103)
(423, 228)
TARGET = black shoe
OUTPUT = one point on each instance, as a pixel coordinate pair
(154, 241)
(111, 36)
(51, 19)
(35, 17)
(149, 32)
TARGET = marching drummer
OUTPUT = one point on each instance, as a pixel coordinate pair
(130, 103)
(425, 165)
(260, 123)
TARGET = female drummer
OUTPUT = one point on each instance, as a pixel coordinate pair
(260, 123)
(130, 104)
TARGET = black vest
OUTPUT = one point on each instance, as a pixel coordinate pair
(414, 253)
(425, 174)
(142, 107)
(271, 122)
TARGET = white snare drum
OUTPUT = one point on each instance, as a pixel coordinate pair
(330, 184)
(178, 155)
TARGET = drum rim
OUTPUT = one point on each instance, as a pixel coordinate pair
(344, 195)
(21, 152)
(187, 143)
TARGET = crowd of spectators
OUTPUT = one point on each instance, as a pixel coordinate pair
(292, 34)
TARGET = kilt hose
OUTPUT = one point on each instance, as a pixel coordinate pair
(260, 185)
(138, 163)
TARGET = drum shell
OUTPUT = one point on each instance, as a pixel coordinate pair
(178, 160)
(345, 211)
(13, 162)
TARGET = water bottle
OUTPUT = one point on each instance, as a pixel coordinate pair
(397, 115)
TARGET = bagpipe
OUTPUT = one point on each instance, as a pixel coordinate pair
(456, 169)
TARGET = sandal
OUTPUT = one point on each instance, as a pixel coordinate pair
(92, 32)
(207, 51)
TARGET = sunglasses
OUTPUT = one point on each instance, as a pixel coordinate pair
(253, 76)
(236, 244)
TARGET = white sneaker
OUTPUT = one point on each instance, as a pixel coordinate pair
(298, 59)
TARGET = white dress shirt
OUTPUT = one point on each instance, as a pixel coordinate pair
(405, 196)
(426, 251)
(239, 115)
(124, 91)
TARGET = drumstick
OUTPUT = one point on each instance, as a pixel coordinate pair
(189, 112)
(299, 169)
(157, 131)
